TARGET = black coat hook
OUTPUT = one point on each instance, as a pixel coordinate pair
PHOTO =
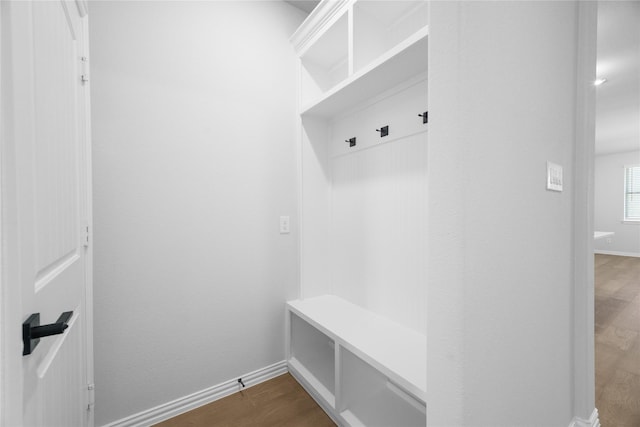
(351, 141)
(384, 131)
(425, 116)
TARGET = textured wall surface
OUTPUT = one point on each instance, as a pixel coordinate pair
(193, 133)
(499, 320)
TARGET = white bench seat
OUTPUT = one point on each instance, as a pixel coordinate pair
(397, 352)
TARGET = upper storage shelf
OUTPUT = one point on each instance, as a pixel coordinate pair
(395, 66)
(379, 26)
(326, 62)
(351, 50)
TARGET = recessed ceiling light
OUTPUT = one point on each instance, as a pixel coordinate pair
(599, 81)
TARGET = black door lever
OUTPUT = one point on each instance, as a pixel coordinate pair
(32, 331)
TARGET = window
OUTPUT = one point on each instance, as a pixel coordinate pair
(632, 193)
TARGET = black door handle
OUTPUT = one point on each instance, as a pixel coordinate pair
(32, 331)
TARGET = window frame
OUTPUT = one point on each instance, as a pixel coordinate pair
(625, 217)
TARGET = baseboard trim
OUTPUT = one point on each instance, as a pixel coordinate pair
(593, 421)
(617, 253)
(184, 404)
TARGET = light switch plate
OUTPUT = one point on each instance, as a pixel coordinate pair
(284, 224)
(554, 177)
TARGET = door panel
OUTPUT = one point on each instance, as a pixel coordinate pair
(56, 178)
(48, 114)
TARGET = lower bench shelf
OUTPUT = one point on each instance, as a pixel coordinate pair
(363, 369)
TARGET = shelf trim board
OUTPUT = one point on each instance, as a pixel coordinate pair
(339, 400)
(287, 336)
(349, 153)
(415, 388)
(322, 17)
(375, 77)
(413, 81)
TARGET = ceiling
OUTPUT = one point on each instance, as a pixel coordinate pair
(306, 5)
(618, 100)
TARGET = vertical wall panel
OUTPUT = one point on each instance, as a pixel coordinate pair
(379, 209)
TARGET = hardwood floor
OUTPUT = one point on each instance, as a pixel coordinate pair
(280, 402)
(617, 340)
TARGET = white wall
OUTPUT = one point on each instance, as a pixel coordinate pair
(193, 132)
(609, 204)
(500, 260)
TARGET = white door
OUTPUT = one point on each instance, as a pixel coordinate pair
(46, 212)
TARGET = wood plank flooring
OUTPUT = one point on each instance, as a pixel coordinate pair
(617, 340)
(280, 402)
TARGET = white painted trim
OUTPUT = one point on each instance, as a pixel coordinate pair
(406, 84)
(2, 282)
(325, 14)
(88, 220)
(297, 151)
(10, 292)
(82, 8)
(618, 253)
(583, 354)
(593, 420)
(317, 397)
(187, 403)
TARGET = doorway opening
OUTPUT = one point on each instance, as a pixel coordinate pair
(617, 235)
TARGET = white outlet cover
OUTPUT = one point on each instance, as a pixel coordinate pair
(554, 177)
